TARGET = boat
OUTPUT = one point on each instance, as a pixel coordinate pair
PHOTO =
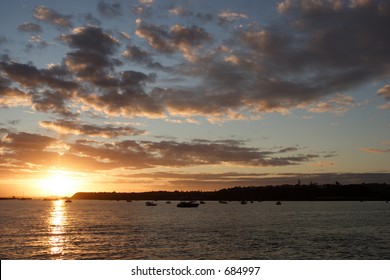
(278, 203)
(187, 204)
(149, 203)
(68, 200)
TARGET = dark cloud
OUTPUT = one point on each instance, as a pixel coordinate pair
(178, 38)
(129, 101)
(53, 101)
(26, 141)
(30, 76)
(156, 36)
(317, 47)
(91, 38)
(34, 152)
(106, 90)
(92, 59)
(49, 89)
(106, 131)
(108, 10)
(138, 55)
(313, 51)
(30, 27)
(53, 17)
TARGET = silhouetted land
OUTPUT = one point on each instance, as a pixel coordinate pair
(329, 192)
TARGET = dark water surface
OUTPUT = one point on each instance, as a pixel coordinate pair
(130, 230)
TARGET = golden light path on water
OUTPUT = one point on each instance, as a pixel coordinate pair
(57, 223)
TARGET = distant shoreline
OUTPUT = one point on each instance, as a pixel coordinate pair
(336, 192)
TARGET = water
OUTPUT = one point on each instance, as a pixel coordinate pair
(130, 230)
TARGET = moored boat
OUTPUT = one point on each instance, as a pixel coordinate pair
(149, 203)
(187, 204)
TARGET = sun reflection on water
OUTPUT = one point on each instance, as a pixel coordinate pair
(57, 223)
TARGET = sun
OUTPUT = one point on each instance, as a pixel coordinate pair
(59, 183)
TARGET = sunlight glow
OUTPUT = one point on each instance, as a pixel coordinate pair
(57, 228)
(60, 183)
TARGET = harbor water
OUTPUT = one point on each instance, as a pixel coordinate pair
(47, 230)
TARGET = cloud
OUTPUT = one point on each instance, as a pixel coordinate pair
(42, 151)
(375, 150)
(92, 59)
(11, 96)
(213, 181)
(107, 131)
(156, 36)
(385, 93)
(227, 16)
(30, 28)
(138, 55)
(178, 38)
(53, 17)
(146, 2)
(304, 59)
(338, 104)
(37, 81)
(30, 76)
(184, 12)
(188, 39)
(108, 10)
(91, 38)
(306, 56)
(179, 11)
(26, 141)
(36, 41)
(203, 152)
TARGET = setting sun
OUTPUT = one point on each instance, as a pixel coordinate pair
(59, 183)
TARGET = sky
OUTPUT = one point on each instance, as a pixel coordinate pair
(147, 95)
